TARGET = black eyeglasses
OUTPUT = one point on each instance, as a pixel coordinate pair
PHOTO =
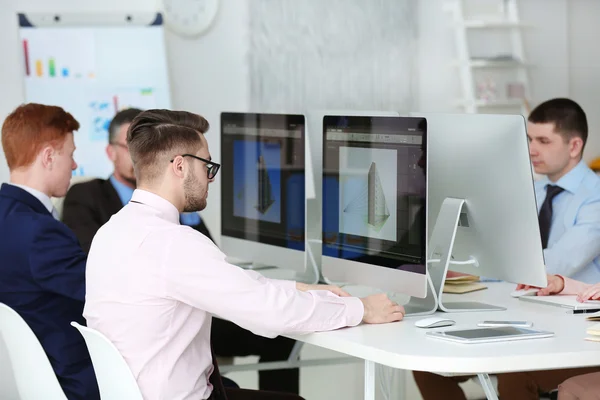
(211, 167)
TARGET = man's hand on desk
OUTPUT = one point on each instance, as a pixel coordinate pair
(332, 288)
(379, 309)
(556, 284)
(591, 293)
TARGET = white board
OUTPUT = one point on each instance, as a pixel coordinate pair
(93, 66)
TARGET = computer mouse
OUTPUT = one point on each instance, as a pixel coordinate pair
(434, 322)
(527, 292)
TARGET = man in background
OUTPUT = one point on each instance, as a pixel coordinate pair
(568, 199)
(90, 205)
(568, 196)
(42, 273)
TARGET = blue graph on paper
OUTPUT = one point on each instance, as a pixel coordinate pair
(101, 115)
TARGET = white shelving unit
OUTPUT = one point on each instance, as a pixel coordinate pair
(476, 96)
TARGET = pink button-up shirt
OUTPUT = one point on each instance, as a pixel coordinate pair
(152, 285)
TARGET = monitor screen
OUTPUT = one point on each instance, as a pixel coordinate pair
(374, 190)
(263, 179)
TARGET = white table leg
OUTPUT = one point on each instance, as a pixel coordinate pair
(488, 387)
(369, 380)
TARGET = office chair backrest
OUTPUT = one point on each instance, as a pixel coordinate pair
(115, 379)
(8, 386)
(33, 374)
(58, 202)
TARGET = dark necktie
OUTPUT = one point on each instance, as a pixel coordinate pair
(545, 216)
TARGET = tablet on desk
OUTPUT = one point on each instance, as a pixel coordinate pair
(488, 335)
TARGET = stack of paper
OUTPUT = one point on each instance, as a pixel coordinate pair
(594, 331)
(594, 317)
(462, 279)
(463, 284)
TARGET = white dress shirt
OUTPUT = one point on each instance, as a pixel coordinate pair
(152, 285)
(42, 197)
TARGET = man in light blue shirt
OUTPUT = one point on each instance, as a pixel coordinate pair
(568, 198)
(558, 131)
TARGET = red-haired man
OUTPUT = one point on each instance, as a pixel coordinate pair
(42, 273)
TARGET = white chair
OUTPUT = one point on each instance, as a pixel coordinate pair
(33, 374)
(8, 386)
(115, 380)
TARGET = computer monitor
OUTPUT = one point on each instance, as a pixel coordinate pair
(314, 175)
(483, 160)
(374, 208)
(263, 189)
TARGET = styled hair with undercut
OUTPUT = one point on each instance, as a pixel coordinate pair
(156, 136)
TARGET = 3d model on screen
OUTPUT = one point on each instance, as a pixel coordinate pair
(265, 191)
(370, 202)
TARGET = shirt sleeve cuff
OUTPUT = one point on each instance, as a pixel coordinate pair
(356, 310)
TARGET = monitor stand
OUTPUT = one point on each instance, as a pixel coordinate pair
(440, 248)
(311, 275)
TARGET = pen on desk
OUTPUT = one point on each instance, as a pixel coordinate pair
(584, 311)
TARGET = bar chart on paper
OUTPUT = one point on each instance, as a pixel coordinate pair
(64, 54)
(93, 72)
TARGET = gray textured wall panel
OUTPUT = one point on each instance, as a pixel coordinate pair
(335, 54)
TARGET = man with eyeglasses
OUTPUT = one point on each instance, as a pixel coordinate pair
(89, 205)
(153, 285)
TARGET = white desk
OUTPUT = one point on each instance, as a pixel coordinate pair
(402, 345)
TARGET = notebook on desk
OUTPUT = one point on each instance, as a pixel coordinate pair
(568, 302)
(593, 317)
(594, 332)
(463, 288)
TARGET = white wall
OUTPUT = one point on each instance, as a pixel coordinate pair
(584, 66)
(438, 83)
(210, 75)
(547, 47)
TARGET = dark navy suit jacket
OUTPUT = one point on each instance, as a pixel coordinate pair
(42, 277)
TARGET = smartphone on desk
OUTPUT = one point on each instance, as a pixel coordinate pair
(516, 324)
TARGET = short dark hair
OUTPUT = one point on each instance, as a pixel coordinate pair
(156, 136)
(125, 116)
(567, 116)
